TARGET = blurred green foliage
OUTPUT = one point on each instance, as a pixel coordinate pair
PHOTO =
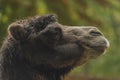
(104, 14)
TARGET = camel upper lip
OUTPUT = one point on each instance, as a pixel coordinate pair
(99, 48)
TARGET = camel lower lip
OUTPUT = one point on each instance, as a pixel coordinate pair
(100, 49)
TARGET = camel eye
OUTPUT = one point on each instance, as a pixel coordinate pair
(58, 31)
(95, 33)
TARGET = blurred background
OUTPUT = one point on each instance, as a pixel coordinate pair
(104, 14)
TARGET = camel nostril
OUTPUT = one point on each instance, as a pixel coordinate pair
(95, 33)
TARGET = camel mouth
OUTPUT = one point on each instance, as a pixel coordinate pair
(100, 49)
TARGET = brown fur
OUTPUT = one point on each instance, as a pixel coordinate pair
(40, 48)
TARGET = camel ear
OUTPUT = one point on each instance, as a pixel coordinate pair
(16, 31)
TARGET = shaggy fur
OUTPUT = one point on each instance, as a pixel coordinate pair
(40, 48)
